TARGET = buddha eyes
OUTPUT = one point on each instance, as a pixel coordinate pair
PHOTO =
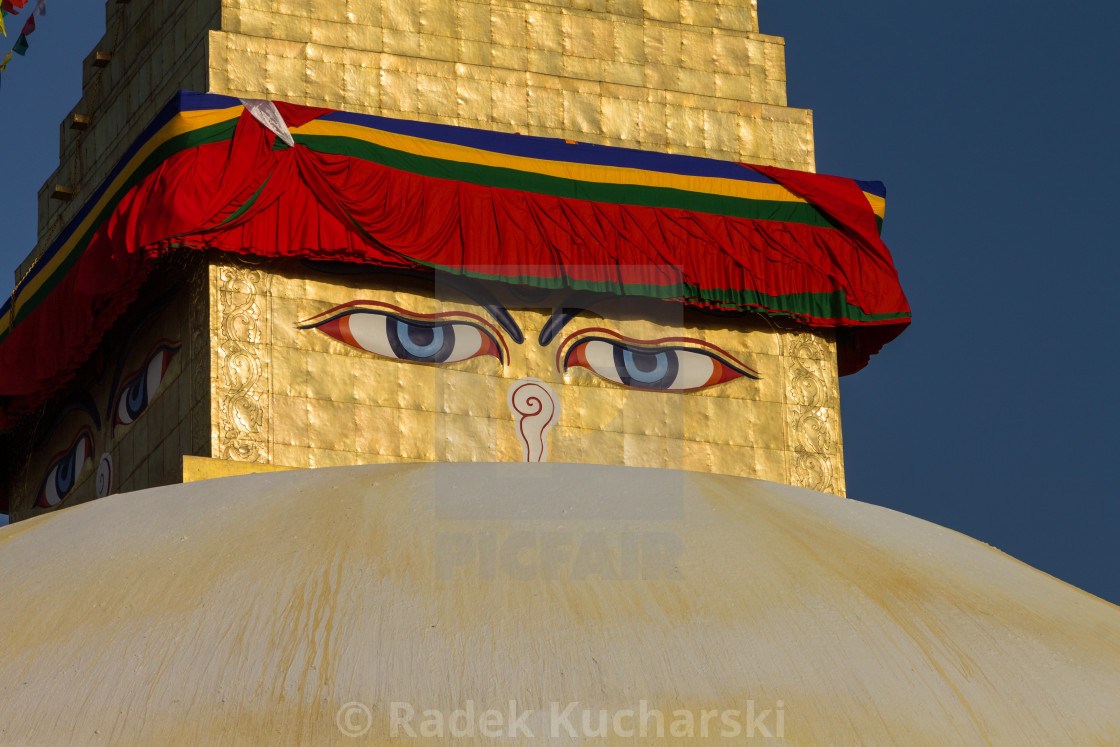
(650, 365)
(410, 337)
(669, 364)
(133, 397)
(140, 387)
(65, 470)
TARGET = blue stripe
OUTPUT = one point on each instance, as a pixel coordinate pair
(189, 101)
(525, 146)
(554, 149)
(873, 188)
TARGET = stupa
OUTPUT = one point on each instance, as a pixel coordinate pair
(554, 289)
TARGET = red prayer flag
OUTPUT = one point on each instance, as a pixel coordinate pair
(29, 27)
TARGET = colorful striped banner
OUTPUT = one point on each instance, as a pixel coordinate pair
(547, 212)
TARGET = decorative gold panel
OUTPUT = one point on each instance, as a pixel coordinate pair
(812, 415)
(241, 324)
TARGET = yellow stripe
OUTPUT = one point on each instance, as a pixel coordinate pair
(564, 169)
(878, 204)
(189, 121)
(561, 169)
(182, 123)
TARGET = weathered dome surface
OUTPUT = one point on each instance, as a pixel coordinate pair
(251, 610)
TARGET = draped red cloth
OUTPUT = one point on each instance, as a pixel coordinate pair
(247, 196)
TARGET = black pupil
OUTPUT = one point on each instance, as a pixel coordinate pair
(645, 362)
(420, 336)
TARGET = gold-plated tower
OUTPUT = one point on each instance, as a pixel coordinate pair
(247, 388)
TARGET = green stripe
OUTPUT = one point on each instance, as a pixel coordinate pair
(527, 181)
(247, 204)
(832, 305)
(823, 305)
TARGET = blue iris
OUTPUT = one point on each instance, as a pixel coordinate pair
(420, 341)
(65, 474)
(136, 398)
(423, 342)
(646, 369)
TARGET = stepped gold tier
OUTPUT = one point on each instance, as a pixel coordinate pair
(680, 76)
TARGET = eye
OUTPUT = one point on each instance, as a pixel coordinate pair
(422, 340)
(650, 366)
(64, 471)
(140, 387)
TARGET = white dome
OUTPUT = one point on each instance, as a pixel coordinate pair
(251, 610)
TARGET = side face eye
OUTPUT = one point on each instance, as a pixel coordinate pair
(140, 387)
(651, 366)
(407, 337)
(65, 470)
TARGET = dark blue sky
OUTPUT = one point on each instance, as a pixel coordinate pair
(996, 413)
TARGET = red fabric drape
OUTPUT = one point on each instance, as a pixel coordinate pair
(244, 196)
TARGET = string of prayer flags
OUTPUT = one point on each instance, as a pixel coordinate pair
(12, 8)
(40, 9)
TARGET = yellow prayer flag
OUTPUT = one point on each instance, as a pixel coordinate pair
(4, 64)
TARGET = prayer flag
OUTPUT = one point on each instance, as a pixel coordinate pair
(20, 47)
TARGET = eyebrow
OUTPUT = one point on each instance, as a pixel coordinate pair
(573, 305)
(470, 288)
(582, 301)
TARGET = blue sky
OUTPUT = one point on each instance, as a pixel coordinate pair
(995, 413)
